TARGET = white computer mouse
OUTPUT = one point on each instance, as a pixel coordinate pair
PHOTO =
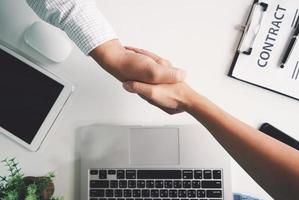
(49, 41)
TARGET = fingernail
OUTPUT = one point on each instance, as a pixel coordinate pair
(127, 86)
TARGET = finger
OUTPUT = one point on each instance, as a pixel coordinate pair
(153, 72)
(138, 88)
(153, 56)
(145, 92)
(166, 74)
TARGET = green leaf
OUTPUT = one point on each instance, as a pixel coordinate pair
(12, 195)
(31, 192)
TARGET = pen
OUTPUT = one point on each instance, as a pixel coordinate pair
(290, 47)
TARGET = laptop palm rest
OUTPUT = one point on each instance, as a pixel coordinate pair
(154, 146)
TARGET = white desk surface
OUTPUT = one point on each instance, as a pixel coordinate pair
(199, 36)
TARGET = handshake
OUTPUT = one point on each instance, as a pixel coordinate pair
(146, 74)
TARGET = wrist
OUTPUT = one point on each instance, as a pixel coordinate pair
(186, 95)
(191, 100)
(109, 54)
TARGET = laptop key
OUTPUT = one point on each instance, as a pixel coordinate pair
(131, 174)
(127, 193)
(93, 172)
(216, 174)
(103, 174)
(118, 193)
(145, 193)
(187, 174)
(177, 184)
(154, 193)
(207, 174)
(109, 193)
(173, 193)
(211, 184)
(186, 184)
(111, 172)
(201, 193)
(159, 174)
(191, 193)
(113, 184)
(140, 184)
(214, 193)
(163, 193)
(120, 174)
(96, 193)
(195, 184)
(99, 184)
(168, 184)
(150, 184)
(159, 184)
(136, 193)
(122, 184)
(182, 193)
(131, 184)
(198, 174)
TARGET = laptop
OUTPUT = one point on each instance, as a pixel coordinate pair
(153, 163)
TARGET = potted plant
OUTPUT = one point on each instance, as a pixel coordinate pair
(15, 186)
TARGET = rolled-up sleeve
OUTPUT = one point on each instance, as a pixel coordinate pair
(80, 19)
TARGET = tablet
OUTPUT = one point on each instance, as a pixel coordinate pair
(31, 98)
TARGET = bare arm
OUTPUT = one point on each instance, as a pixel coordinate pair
(272, 164)
(125, 65)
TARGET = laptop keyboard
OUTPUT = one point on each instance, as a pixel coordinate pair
(139, 184)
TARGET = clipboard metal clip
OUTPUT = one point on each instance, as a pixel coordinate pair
(251, 29)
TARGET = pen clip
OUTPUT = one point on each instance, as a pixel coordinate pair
(252, 27)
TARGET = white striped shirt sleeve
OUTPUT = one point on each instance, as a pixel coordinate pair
(80, 19)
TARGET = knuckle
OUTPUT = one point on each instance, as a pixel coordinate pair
(135, 86)
(172, 75)
(164, 62)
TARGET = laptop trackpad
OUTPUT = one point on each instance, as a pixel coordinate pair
(154, 146)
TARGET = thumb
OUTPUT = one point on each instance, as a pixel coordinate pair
(138, 88)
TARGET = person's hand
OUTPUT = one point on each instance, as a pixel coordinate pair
(168, 97)
(163, 102)
(132, 64)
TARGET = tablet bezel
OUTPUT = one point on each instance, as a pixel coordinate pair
(54, 111)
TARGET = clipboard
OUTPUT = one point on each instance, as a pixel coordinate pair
(253, 47)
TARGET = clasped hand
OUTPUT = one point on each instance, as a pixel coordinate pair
(146, 74)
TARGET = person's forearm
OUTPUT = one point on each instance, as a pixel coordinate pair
(109, 56)
(274, 165)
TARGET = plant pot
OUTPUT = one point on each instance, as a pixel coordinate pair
(47, 193)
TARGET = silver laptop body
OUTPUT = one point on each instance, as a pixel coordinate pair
(113, 155)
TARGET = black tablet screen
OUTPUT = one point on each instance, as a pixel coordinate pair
(26, 97)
